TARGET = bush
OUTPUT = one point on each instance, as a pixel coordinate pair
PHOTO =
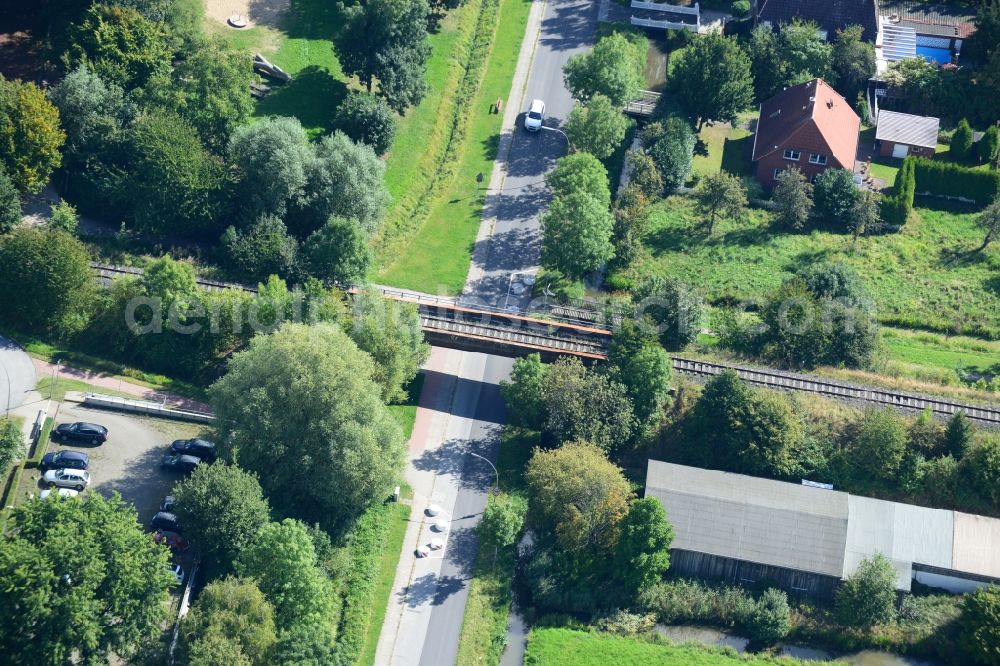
(961, 141)
(367, 119)
(949, 179)
(741, 8)
(770, 620)
(897, 206)
(11, 446)
(683, 601)
(986, 149)
(979, 626)
(868, 596)
(673, 151)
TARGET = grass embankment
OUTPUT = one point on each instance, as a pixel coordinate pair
(430, 232)
(921, 277)
(484, 626)
(556, 646)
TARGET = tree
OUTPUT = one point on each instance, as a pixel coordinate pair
(79, 579)
(767, 68)
(926, 434)
(879, 445)
(583, 405)
(49, 285)
(612, 69)
(222, 508)
(868, 596)
(282, 560)
(11, 445)
(388, 331)
(579, 172)
(306, 645)
(642, 554)
(303, 398)
(346, 179)
(979, 626)
(835, 196)
(988, 146)
(853, 60)
(838, 281)
(711, 80)
(230, 619)
(735, 428)
(64, 217)
(631, 214)
(264, 249)
(961, 141)
(793, 196)
(989, 222)
(982, 470)
(338, 252)
(864, 215)
(523, 393)
(675, 309)
(576, 235)
(674, 152)
(386, 41)
(576, 497)
(805, 52)
(368, 120)
(10, 204)
(272, 158)
(502, 520)
(770, 620)
(597, 128)
(722, 194)
(958, 435)
(122, 45)
(30, 136)
(645, 175)
(174, 184)
(643, 368)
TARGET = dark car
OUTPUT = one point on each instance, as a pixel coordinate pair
(199, 448)
(176, 462)
(87, 433)
(65, 460)
(164, 520)
(167, 504)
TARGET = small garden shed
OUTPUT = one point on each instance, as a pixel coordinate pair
(902, 134)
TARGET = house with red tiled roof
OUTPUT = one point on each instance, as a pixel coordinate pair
(809, 126)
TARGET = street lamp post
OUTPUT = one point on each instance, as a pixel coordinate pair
(491, 465)
(569, 144)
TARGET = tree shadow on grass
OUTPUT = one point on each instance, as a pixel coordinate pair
(806, 259)
(313, 97)
(736, 155)
(308, 19)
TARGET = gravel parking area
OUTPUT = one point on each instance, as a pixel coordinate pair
(129, 462)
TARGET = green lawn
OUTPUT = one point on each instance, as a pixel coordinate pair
(56, 389)
(921, 277)
(436, 258)
(931, 350)
(555, 646)
(721, 146)
(405, 413)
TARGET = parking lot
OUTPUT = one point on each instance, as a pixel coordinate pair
(129, 462)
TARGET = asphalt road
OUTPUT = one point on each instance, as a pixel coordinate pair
(17, 375)
(567, 28)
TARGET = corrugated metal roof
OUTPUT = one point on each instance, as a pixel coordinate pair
(820, 531)
(905, 128)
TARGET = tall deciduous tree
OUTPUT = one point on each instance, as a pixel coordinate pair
(230, 621)
(989, 222)
(835, 194)
(579, 172)
(222, 508)
(712, 80)
(879, 445)
(979, 626)
(793, 196)
(864, 215)
(804, 50)
(303, 399)
(523, 393)
(722, 194)
(642, 555)
(338, 252)
(576, 235)
(673, 152)
(853, 60)
(121, 44)
(49, 285)
(385, 41)
(263, 249)
(30, 136)
(868, 596)
(612, 69)
(367, 119)
(643, 367)
(502, 519)
(10, 203)
(79, 579)
(675, 309)
(597, 128)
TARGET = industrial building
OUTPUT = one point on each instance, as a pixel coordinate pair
(806, 539)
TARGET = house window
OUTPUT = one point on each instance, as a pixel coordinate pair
(817, 159)
(793, 155)
(776, 172)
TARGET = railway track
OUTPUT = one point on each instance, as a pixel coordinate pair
(795, 382)
(106, 273)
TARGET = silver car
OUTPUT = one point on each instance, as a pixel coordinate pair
(77, 479)
(535, 115)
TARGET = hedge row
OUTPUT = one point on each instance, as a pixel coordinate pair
(896, 207)
(954, 180)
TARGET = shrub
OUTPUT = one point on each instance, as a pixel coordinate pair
(11, 445)
(868, 596)
(948, 179)
(986, 149)
(681, 600)
(367, 119)
(770, 620)
(961, 141)
(673, 152)
(979, 626)
(741, 8)
(897, 206)
(835, 194)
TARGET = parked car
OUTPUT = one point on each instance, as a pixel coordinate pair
(77, 479)
(86, 433)
(199, 448)
(176, 462)
(164, 520)
(62, 492)
(178, 573)
(172, 540)
(167, 504)
(65, 460)
(535, 115)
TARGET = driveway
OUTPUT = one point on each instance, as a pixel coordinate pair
(129, 462)
(17, 374)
